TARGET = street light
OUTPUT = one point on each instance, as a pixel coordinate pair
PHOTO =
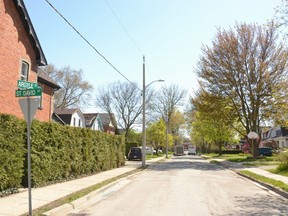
(144, 114)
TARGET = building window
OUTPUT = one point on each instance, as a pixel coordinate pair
(74, 121)
(79, 122)
(24, 70)
(40, 99)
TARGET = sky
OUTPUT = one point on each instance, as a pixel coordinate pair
(168, 33)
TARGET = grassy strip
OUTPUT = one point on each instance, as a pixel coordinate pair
(266, 180)
(256, 164)
(81, 193)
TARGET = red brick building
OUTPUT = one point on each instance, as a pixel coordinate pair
(20, 56)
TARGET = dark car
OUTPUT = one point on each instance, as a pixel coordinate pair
(265, 151)
(135, 153)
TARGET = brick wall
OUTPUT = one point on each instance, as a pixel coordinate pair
(15, 46)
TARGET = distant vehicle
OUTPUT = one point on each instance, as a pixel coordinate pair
(265, 151)
(191, 150)
(148, 150)
(179, 150)
(135, 153)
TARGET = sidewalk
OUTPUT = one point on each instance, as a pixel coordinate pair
(18, 204)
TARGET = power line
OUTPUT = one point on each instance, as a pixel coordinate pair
(89, 43)
(124, 29)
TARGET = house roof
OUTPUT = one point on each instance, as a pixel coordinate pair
(90, 118)
(65, 114)
(105, 118)
(24, 16)
(276, 132)
(44, 78)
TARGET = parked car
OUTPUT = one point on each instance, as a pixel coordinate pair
(135, 153)
(265, 151)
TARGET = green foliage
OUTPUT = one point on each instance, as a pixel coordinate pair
(11, 153)
(283, 158)
(156, 134)
(58, 152)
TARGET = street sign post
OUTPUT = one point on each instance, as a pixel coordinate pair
(29, 107)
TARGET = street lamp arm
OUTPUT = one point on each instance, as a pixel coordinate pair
(160, 80)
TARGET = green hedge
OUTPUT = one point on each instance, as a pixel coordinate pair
(58, 152)
(12, 151)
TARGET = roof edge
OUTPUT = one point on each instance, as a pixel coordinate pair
(40, 57)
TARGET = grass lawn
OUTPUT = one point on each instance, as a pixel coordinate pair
(270, 181)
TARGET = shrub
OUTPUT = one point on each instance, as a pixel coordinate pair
(283, 158)
(11, 153)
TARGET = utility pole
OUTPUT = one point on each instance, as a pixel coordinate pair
(144, 117)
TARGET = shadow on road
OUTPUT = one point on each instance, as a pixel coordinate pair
(261, 206)
(186, 162)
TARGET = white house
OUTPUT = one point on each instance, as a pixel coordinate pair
(72, 117)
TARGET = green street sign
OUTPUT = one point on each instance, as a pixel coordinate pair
(21, 84)
(28, 92)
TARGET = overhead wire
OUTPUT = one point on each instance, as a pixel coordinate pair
(124, 29)
(89, 43)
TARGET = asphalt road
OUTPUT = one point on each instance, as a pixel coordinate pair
(185, 185)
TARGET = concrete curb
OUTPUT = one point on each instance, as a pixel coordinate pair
(68, 207)
(266, 185)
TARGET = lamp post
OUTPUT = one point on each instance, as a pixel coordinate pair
(144, 114)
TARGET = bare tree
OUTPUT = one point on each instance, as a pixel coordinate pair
(248, 67)
(74, 90)
(122, 99)
(167, 100)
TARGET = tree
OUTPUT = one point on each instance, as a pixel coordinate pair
(282, 15)
(167, 101)
(177, 122)
(74, 90)
(212, 117)
(122, 99)
(156, 134)
(248, 67)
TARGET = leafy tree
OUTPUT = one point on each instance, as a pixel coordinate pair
(212, 115)
(247, 67)
(177, 122)
(134, 136)
(156, 135)
(74, 90)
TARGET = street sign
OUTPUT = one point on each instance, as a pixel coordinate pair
(22, 84)
(28, 92)
(29, 107)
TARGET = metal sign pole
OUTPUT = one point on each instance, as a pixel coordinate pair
(29, 107)
(29, 156)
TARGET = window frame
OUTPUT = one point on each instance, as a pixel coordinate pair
(23, 76)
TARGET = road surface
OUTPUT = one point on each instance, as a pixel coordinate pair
(185, 185)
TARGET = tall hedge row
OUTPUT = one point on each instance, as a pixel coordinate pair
(12, 153)
(57, 152)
